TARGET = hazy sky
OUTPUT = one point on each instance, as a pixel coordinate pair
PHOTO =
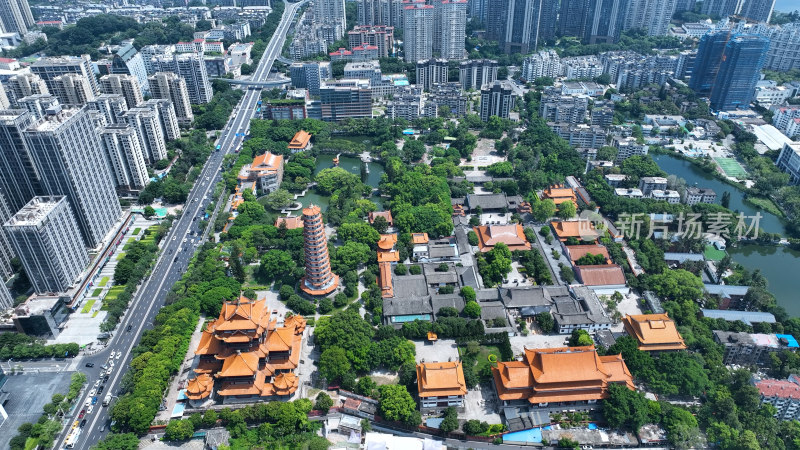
(787, 5)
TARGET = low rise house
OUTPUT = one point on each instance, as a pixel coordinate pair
(747, 317)
(700, 195)
(649, 184)
(629, 193)
(512, 236)
(559, 377)
(560, 194)
(385, 214)
(576, 252)
(671, 197)
(583, 312)
(579, 229)
(291, 222)
(654, 332)
(441, 385)
(752, 348)
(602, 278)
(300, 142)
(266, 170)
(615, 179)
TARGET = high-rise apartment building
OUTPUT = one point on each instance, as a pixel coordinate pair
(528, 24)
(331, 13)
(431, 72)
(15, 16)
(4, 102)
(72, 89)
(651, 15)
(169, 86)
(319, 278)
(605, 21)
(151, 52)
(496, 14)
(50, 68)
(739, 71)
(124, 156)
(720, 8)
(545, 63)
(37, 104)
(477, 10)
(757, 10)
(110, 106)
(126, 85)
(380, 36)
(23, 85)
(147, 124)
(192, 68)
(67, 153)
(418, 31)
(166, 116)
(19, 179)
(128, 61)
(496, 100)
(7, 252)
(783, 54)
(475, 73)
(46, 237)
(380, 12)
(449, 28)
(6, 301)
(573, 18)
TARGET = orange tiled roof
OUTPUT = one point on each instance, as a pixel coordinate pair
(385, 279)
(560, 375)
(292, 222)
(559, 195)
(436, 379)
(267, 163)
(419, 238)
(300, 140)
(581, 229)
(654, 332)
(576, 252)
(511, 235)
(239, 365)
(385, 214)
(601, 275)
(199, 387)
(385, 246)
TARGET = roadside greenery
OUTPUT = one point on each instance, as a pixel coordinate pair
(20, 346)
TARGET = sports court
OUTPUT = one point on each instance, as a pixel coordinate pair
(731, 167)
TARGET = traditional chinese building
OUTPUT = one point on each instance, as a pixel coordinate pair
(245, 354)
(560, 194)
(385, 214)
(290, 222)
(300, 142)
(266, 171)
(512, 235)
(440, 385)
(319, 279)
(567, 376)
(654, 332)
(387, 254)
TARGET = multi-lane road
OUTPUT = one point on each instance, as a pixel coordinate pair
(177, 249)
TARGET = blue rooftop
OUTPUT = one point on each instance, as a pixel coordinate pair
(748, 317)
(792, 341)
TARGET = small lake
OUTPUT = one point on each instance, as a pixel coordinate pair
(350, 164)
(778, 264)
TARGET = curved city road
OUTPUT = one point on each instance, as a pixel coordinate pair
(177, 249)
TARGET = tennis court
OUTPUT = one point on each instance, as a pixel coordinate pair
(731, 167)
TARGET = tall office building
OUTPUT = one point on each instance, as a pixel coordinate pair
(192, 68)
(110, 106)
(496, 14)
(124, 156)
(573, 17)
(605, 21)
(342, 102)
(50, 68)
(310, 75)
(739, 71)
(450, 28)
(23, 85)
(707, 62)
(72, 89)
(7, 252)
(46, 237)
(169, 86)
(319, 279)
(147, 124)
(529, 23)
(757, 10)
(651, 15)
(128, 61)
(69, 158)
(431, 72)
(166, 116)
(332, 14)
(19, 179)
(475, 73)
(496, 100)
(418, 31)
(6, 301)
(477, 10)
(125, 85)
(15, 16)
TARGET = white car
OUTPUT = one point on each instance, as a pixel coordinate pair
(88, 401)
(97, 383)
(119, 355)
(93, 392)
(90, 409)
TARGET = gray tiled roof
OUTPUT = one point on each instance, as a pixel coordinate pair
(406, 306)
